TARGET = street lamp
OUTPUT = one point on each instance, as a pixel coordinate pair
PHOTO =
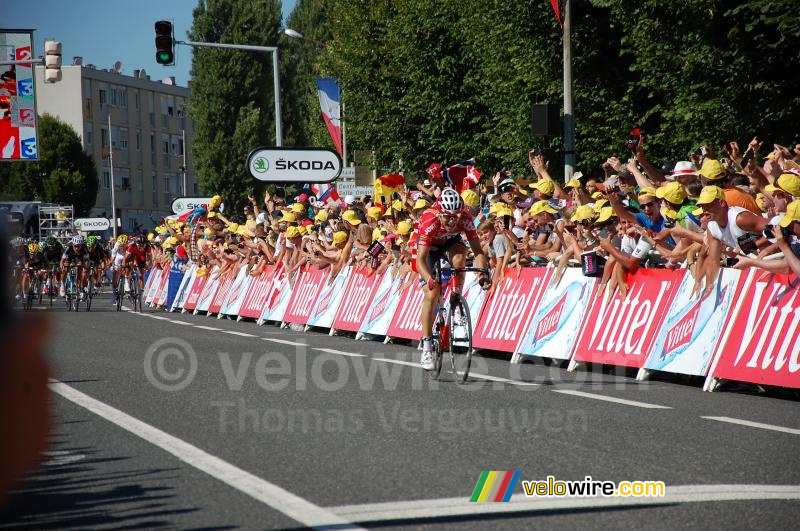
(293, 34)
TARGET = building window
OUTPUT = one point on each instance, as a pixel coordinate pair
(138, 140)
(106, 180)
(102, 97)
(165, 144)
(123, 138)
(140, 182)
(122, 98)
(112, 100)
(136, 100)
(89, 134)
(155, 190)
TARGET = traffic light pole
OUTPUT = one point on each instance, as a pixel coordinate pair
(247, 47)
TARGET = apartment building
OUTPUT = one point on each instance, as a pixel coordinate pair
(150, 137)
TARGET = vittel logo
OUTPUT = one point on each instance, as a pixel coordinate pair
(549, 323)
(772, 330)
(624, 325)
(681, 333)
(506, 309)
(357, 299)
(380, 306)
(409, 314)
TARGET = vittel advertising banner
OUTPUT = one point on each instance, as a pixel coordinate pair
(195, 290)
(160, 298)
(384, 303)
(622, 331)
(152, 285)
(233, 301)
(693, 326)
(329, 300)
(553, 331)
(360, 291)
(504, 315)
(763, 346)
(305, 293)
(278, 298)
(225, 285)
(257, 292)
(406, 322)
(474, 294)
(183, 289)
(209, 290)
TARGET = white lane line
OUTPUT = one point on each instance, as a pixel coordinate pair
(180, 322)
(340, 352)
(499, 379)
(285, 342)
(235, 333)
(752, 424)
(204, 327)
(611, 399)
(399, 362)
(158, 317)
(412, 510)
(291, 505)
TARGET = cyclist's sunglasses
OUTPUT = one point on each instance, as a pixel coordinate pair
(450, 217)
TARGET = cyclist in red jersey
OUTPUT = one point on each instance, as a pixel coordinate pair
(439, 235)
(138, 255)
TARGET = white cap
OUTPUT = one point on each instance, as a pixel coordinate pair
(349, 199)
(262, 217)
(683, 167)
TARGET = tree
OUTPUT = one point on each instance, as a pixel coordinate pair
(232, 99)
(64, 173)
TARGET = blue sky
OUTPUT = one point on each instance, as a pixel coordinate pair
(105, 31)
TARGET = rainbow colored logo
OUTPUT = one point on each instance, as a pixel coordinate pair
(494, 486)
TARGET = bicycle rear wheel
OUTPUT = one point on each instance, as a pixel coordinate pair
(120, 291)
(459, 329)
(438, 348)
(89, 291)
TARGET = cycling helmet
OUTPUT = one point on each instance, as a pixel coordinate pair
(91, 240)
(33, 247)
(122, 239)
(77, 240)
(450, 202)
(50, 241)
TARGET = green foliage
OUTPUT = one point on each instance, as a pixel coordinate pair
(65, 173)
(232, 100)
(443, 81)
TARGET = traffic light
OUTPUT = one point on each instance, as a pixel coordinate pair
(52, 61)
(165, 44)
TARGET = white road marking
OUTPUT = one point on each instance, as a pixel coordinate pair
(235, 333)
(611, 399)
(291, 505)
(208, 328)
(340, 352)
(180, 322)
(752, 424)
(399, 362)
(285, 342)
(413, 510)
(499, 379)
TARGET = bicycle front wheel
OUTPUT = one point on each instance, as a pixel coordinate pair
(459, 327)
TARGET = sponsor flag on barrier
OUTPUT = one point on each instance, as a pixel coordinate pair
(763, 345)
(494, 486)
(305, 293)
(406, 322)
(693, 326)
(257, 293)
(329, 300)
(233, 302)
(382, 308)
(357, 299)
(330, 104)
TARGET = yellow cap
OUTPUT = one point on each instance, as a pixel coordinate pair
(421, 203)
(670, 213)
(709, 194)
(288, 216)
(374, 212)
(208, 232)
(541, 206)
(151, 236)
(388, 213)
(787, 182)
(673, 192)
(712, 169)
(583, 213)
(339, 237)
(471, 198)
(298, 208)
(545, 186)
(251, 225)
(697, 211)
(597, 195)
(403, 228)
(166, 246)
(573, 183)
(605, 214)
(600, 203)
(376, 234)
(760, 202)
(173, 240)
(503, 210)
(215, 201)
(211, 215)
(351, 217)
(647, 190)
(293, 232)
(792, 214)
(322, 215)
(398, 205)
(233, 227)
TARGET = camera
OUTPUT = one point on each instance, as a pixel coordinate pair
(669, 223)
(731, 261)
(634, 138)
(769, 232)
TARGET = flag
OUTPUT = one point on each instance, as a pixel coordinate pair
(326, 193)
(330, 103)
(463, 175)
(386, 185)
(554, 3)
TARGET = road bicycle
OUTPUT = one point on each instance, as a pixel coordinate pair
(71, 291)
(133, 291)
(90, 286)
(34, 288)
(452, 328)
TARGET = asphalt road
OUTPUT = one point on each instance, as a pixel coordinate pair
(281, 429)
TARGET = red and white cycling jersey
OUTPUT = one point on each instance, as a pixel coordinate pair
(139, 254)
(433, 232)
